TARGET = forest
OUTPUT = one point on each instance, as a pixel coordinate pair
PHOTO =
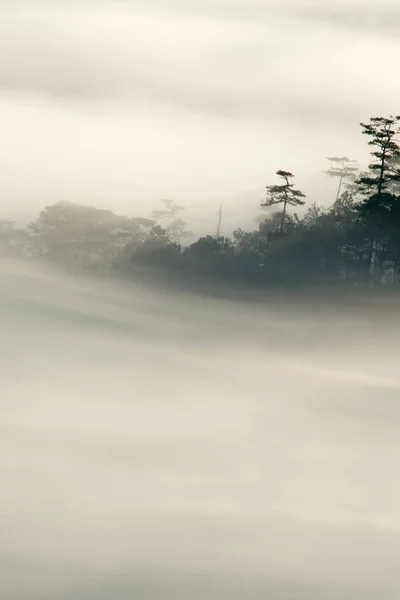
(355, 241)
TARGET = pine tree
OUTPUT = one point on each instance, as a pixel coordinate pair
(176, 227)
(285, 194)
(383, 132)
(377, 187)
(346, 170)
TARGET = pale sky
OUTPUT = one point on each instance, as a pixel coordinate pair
(121, 103)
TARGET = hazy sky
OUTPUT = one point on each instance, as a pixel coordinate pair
(122, 103)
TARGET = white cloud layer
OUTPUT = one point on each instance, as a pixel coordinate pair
(166, 446)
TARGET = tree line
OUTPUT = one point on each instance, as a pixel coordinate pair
(355, 240)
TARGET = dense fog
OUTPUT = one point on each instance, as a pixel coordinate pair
(160, 444)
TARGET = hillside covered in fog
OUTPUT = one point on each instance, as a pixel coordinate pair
(356, 240)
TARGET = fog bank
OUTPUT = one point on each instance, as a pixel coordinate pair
(165, 445)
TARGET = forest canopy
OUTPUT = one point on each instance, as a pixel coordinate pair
(356, 240)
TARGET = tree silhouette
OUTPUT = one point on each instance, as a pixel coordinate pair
(285, 194)
(383, 132)
(176, 227)
(345, 170)
(71, 232)
(313, 215)
(378, 199)
(356, 240)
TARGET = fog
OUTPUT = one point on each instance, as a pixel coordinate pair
(159, 444)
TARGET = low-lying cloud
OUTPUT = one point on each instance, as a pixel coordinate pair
(160, 444)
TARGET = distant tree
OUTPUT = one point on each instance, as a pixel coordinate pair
(344, 169)
(210, 254)
(176, 227)
(250, 249)
(210, 247)
(247, 242)
(155, 250)
(284, 194)
(313, 215)
(376, 187)
(383, 133)
(73, 233)
(271, 225)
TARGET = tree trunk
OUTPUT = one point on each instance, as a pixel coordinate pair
(283, 216)
(339, 188)
(382, 173)
(369, 257)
